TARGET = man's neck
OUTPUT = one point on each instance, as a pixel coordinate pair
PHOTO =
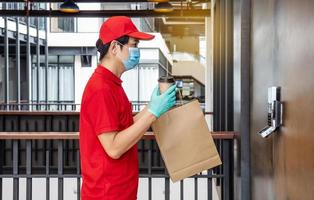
(113, 67)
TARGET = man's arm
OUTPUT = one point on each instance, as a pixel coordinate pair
(117, 143)
(140, 114)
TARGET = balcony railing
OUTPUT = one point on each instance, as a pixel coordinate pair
(54, 164)
(59, 106)
(44, 145)
(63, 106)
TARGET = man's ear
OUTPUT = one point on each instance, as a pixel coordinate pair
(113, 48)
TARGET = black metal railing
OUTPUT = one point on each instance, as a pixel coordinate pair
(25, 156)
(65, 106)
(40, 106)
(45, 145)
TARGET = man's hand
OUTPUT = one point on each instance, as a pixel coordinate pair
(161, 103)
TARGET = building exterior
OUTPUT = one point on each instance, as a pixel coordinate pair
(67, 46)
(44, 66)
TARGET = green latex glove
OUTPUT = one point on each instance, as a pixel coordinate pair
(161, 103)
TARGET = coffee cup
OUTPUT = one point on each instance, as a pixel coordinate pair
(165, 82)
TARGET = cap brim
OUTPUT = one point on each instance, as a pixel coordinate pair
(141, 36)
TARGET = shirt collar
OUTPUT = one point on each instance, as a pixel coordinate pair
(108, 74)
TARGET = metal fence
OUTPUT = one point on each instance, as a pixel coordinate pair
(37, 145)
(62, 106)
(59, 160)
(65, 106)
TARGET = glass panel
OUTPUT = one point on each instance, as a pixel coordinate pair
(147, 24)
(32, 21)
(42, 23)
(86, 60)
(42, 6)
(42, 83)
(52, 82)
(53, 59)
(62, 24)
(130, 84)
(66, 59)
(66, 87)
(66, 24)
(162, 71)
(2, 83)
(34, 82)
(148, 80)
(41, 58)
(54, 25)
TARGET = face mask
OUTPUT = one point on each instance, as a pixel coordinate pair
(133, 59)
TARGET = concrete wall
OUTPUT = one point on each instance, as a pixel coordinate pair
(184, 44)
(193, 68)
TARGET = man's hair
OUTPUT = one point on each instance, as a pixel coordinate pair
(103, 48)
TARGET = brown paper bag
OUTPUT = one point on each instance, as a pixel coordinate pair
(185, 143)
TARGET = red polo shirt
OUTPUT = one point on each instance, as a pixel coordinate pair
(106, 108)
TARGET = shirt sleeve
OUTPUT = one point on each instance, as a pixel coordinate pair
(103, 112)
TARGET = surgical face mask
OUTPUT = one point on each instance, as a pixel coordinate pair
(133, 59)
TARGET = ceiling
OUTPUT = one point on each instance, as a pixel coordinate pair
(187, 19)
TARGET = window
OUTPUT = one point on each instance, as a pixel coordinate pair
(60, 80)
(38, 82)
(32, 20)
(86, 60)
(61, 24)
(66, 24)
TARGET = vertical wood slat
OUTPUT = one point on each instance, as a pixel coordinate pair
(15, 169)
(28, 169)
(60, 169)
(78, 167)
(149, 161)
(1, 164)
(181, 190)
(227, 189)
(47, 174)
(209, 186)
(167, 187)
(195, 188)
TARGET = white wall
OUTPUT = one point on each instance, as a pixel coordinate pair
(193, 68)
(209, 71)
(157, 42)
(82, 74)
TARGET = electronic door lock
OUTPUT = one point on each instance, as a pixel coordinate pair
(274, 114)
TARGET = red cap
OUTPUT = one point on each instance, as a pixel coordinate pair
(118, 26)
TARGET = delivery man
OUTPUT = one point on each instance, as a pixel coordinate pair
(108, 131)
